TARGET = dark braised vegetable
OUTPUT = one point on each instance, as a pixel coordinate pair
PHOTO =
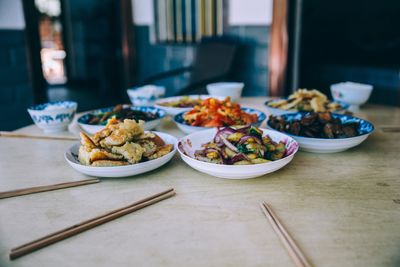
(316, 125)
(121, 113)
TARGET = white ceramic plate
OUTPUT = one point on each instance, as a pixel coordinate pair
(192, 142)
(174, 111)
(188, 129)
(148, 125)
(121, 171)
(325, 145)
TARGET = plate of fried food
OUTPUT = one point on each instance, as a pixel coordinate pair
(322, 132)
(237, 152)
(213, 112)
(304, 100)
(95, 120)
(121, 149)
(178, 104)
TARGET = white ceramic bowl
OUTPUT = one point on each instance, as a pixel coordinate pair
(326, 145)
(180, 122)
(190, 143)
(173, 110)
(92, 129)
(53, 116)
(121, 171)
(145, 95)
(232, 89)
(352, 93)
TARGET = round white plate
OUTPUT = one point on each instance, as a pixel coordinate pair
(192, 142)
(148, 125)
(121, 171)
(188, 129)
(174, 111)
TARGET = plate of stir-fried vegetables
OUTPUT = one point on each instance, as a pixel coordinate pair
(213, 112)
(237, 152)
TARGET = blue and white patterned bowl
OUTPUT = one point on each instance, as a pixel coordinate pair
(326, 145)
(188, 129)
(53, 116)
(83, 121)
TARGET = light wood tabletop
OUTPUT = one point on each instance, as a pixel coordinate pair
(342, 209)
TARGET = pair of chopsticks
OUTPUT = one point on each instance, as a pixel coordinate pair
(88, 224)
(294, 251)
(45, 188)
(44, 137)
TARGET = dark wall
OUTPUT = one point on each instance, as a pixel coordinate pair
(250, 64)
(15, 88)
(356, 41)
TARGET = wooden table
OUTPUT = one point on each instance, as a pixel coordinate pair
(343, 209)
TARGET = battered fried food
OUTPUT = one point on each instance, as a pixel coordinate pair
(306, 100)
(121, 143)
(132, 152)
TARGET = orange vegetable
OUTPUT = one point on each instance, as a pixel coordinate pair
(217, 113)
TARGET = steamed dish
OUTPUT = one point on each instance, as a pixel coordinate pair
(212, 112)
(121, 143)
(306, 100)
(241, 146)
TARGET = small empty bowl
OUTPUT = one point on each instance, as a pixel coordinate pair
(354, 94)
(53, 116)
(231, 89)
(145, 95)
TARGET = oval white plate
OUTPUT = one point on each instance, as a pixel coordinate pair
(188, 129)
(193, 142)
(148, 125)
(121, 171)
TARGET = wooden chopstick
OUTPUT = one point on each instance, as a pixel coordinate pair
(38, 189)
(294, 251)
(88, 224)
(390, 128)
(45, 137)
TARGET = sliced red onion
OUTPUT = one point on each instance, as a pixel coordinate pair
(221, 131)
(238, 157)
(246, 137)
(228, 144)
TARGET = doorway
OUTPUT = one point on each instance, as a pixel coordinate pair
(84, 48)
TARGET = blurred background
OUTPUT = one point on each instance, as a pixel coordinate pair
(91, 51)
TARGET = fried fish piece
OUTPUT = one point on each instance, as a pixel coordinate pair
(161, 151)
(125, 132)
(153, 138)
(132, 152)
(88, 155)
(109, 163)
(149, 147)
(106, 131)
(87, 141)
